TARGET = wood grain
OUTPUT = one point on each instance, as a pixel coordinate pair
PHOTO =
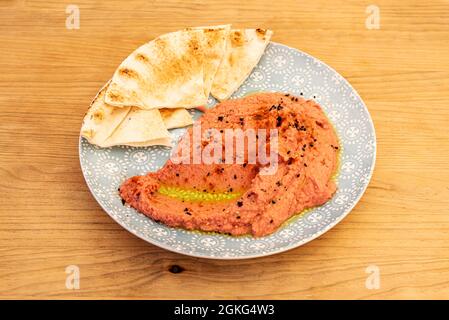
(49, 220)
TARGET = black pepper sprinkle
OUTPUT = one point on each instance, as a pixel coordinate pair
(305, 164)
(271, 221)
(177, 174)
(188, 213)
(239, 203)
(279, 183)
(278, 121)
(311, 144)
(297, 175)
(297, 125)
(244, 165)
(235, 176)
(273, 201)
(219, 170)
(290, 161)
(288, 152)
(220, 118)
(123, 202)
(230, 189)
(238, 217)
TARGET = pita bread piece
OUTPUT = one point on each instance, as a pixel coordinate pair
(164, 73)
(244, 49)
(157, 142)
(216, 39)
(143, 127)
(101, 119)
(176, 118)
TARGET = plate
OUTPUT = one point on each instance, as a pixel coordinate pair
(281, 69)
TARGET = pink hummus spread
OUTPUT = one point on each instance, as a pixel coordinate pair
(307, 155)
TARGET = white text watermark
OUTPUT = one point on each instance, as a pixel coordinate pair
(230, 146)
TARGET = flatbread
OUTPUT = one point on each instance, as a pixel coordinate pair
(157, 142)
(175, 71)
(101, 119)
(176, 118)
(168, 72)
(244, 49)
(216, 37)
(140, 126)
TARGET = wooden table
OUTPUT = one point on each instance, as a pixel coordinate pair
(49, 220)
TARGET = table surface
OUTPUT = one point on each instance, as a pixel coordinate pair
(49, 220)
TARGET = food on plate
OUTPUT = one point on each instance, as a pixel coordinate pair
(244, 49)
(185, 194)
(101, 119)
(171, 71)
(176, 118)
(140, 126)
(152, 88)
(106, 126)
(214, 53)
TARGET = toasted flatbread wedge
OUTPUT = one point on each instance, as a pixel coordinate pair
(139, 127)
(101, 119)
(216, 37)
(157, 142)
(176, 118)
(168, 72)
(244, 49)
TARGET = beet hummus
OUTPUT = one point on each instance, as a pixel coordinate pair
(307, 155)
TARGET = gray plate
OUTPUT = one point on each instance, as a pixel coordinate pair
(281, 69)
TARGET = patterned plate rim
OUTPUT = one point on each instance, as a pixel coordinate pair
(280, 250)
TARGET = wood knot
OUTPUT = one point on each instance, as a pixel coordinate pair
(176, 269)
